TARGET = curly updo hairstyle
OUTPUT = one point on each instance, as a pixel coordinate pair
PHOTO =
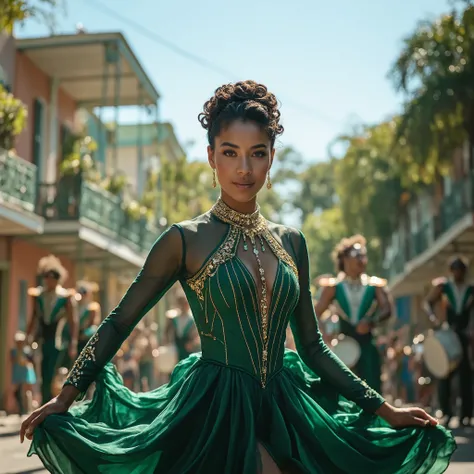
(246, 101)
(343, 247)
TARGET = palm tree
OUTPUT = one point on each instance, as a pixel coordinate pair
(435, 70)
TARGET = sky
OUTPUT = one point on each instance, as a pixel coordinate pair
(327, 62)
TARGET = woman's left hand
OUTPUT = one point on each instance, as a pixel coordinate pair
(403, 417)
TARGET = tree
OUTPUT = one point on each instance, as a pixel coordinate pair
(435, 70)
(182, 190)
(322, 232)
(13, 12)
(369, 182)
(317, 191)
(285, 172)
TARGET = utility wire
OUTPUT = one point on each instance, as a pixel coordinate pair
(205, 63)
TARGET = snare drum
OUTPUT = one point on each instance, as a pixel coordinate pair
(347, 349)
(442, 352)
(167, 358)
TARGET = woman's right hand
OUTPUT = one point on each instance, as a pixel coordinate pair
(59, 404)
(38, 416)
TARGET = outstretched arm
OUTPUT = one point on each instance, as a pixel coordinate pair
(316, 354)
(162, 268)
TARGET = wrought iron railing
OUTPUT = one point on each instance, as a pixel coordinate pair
(72, 199)
(17, 181)
(451, 209)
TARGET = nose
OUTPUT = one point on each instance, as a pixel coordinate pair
(244, 166)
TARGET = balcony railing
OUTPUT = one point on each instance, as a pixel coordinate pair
(17, 181)
(452, 208)
(73, 200)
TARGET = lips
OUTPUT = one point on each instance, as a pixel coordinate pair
(244, 185)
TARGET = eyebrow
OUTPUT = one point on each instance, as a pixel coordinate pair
(232, 145)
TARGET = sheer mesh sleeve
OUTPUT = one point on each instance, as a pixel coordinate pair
(163, 266)
(315, 353)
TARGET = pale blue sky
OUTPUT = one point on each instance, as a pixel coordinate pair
(330, 58)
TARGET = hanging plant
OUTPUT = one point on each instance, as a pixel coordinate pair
(80, 160)
(13, 115)
(115, 184)
(135, 211)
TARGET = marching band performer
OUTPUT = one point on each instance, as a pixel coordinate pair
(52, 305)
(88, 311)
(459, 297)
(361, 301)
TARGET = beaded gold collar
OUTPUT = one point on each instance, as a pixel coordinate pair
(250, 224)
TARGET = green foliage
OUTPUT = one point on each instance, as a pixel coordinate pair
(79, 159)
(322, 232)
(184, 189)
(14, 12)
(317, 188)
(116, 184)
(13, 115)
(435, 70)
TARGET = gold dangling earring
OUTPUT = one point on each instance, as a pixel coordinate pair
(214, 182)
(269, 181)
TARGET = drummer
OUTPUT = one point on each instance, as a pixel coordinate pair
(459, 297)
(361, 301)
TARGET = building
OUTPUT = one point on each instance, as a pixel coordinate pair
(60, 78)
(435, 224)
(140, 147)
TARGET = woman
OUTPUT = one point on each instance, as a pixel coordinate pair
(23, 373)
(243, 406)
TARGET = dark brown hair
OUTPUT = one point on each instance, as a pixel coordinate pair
(246, 101)
(343, 247)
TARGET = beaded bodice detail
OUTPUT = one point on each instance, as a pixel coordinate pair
(251, 231)
(245, 280)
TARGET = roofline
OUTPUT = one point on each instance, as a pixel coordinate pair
(83, 39)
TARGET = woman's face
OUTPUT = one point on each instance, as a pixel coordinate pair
(242, 156)
(49, 281)
(356, 261)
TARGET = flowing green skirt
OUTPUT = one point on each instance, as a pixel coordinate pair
(209, 418)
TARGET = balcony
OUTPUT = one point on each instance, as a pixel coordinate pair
(416, 256)
(17, 196)
(88, 224)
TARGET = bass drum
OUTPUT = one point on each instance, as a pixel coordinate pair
(442, 352)
(167, 358)
(347, 349)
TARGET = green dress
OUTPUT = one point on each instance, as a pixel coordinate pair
(50, 309)
(355, 301)
(244, 281)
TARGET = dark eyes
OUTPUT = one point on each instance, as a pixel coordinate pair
(258, 153)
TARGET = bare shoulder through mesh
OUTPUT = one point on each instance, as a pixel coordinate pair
(202, 237)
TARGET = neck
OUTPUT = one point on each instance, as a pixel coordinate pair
(243, 207)
(353, 276)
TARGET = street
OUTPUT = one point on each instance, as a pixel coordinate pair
(13, 458)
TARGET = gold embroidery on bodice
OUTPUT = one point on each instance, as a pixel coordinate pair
(244, 228)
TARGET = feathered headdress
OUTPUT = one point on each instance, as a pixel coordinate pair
(87, 286)
(52, 264)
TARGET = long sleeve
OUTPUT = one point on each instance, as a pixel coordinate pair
(316, 354)
(163, 266)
